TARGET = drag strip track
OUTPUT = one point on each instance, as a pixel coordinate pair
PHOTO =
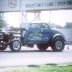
(29, 56)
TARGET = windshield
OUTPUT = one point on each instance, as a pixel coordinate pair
(40, 25)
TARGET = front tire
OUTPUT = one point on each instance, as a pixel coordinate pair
(3, 46)
(42, 47)
(58, 44)
(15, 45)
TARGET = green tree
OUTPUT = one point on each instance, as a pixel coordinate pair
(68, 25)
(2, 23)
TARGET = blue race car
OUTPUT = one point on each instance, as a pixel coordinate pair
(43, 36)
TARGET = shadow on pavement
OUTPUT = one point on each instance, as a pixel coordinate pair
(33, 66)
(27, 51)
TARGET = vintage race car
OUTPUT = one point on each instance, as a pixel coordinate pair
(7, 38)
(43, 36)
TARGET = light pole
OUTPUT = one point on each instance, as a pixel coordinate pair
(50, 17)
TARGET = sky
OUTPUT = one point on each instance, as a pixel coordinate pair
(58, 17)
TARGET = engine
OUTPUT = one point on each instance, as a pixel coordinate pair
(5, 36)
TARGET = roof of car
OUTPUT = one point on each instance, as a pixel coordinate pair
(26, 24)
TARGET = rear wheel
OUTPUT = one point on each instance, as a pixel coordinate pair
(58, 44)
(42, 47)
(15, 45)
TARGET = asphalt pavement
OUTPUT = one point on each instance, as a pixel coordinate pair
(32, 56)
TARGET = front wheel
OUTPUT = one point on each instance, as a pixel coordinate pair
(58, 44)
(15, 45)
(3, 47)
(42, 47)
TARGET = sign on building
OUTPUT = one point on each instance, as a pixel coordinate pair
(30, 5)
(9, 5)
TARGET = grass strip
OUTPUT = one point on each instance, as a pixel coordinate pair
(43, 68)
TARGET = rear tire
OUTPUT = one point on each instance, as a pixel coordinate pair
(15, 45)
(42, 47)
(58, 44)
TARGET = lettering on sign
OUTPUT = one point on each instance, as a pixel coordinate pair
(47, 4)
(64, 3)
